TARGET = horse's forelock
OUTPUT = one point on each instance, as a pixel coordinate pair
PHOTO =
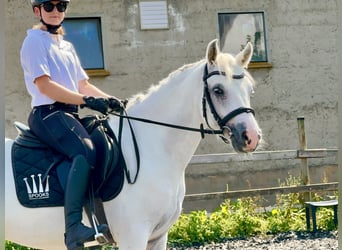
(226, 62)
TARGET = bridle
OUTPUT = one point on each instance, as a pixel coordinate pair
(207, 99)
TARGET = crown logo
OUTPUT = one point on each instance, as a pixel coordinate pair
(37, 192)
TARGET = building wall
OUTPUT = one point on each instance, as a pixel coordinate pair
(301, 38)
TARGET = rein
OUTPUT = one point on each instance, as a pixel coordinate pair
(201, 130)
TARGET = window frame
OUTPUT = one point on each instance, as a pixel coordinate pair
(262, 16)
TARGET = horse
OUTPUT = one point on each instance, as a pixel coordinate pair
(214, 91)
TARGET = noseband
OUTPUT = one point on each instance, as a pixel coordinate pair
(207, 99)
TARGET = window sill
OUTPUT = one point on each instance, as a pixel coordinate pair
(97, 72)
(258, 65)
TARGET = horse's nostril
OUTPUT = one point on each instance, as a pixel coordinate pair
(246, 138)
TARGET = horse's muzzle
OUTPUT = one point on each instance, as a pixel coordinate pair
(244, 140)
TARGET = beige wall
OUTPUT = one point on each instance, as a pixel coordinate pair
(302, 50)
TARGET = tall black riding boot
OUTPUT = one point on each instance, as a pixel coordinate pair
(76, 234)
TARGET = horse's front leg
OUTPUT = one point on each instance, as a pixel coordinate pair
(158, 244)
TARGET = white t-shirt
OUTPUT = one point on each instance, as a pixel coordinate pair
(42, 55)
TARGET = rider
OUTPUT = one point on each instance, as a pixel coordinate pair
(58, 84)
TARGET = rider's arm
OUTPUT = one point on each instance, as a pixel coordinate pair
(57, 92)
(88, 89)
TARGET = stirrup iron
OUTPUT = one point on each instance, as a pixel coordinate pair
(99, 237)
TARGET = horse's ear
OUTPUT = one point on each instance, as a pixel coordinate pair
(245, 56)
(212, 51)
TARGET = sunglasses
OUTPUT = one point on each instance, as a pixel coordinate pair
(61, 6)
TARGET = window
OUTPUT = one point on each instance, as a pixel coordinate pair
(86, 36)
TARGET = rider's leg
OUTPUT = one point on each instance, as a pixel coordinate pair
(77, 233)
(64, 133)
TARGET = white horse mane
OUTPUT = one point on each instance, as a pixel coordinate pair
(224, 61)
(140, 97)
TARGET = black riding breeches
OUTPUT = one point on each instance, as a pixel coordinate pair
(58, 126)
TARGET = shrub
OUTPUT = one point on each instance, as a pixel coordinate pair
(243, 218)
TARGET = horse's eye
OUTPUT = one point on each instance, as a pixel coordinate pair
(218, 91)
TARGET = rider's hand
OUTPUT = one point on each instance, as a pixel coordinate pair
(116, 104)
(99, 104)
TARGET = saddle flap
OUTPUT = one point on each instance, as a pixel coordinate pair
(106, 155)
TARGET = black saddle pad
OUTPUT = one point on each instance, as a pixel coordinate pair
(34, 185)
(40, 173)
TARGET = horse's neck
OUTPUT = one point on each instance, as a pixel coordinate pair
(178, 102)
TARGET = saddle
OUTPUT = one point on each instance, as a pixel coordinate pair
(41, 173)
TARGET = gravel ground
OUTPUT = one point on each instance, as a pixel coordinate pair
(285, 241)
